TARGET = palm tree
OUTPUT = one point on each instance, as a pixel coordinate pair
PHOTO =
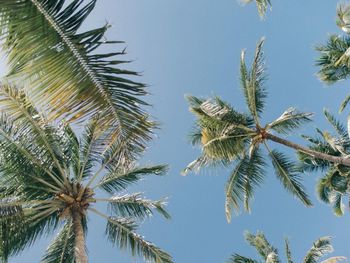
(63, 72)
(227, 136)
(50, 179)
(269, 254)
(334, 59)
(335, 184)
(262, 6)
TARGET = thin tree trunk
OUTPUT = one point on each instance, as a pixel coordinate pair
(79, 249)
(315, 154)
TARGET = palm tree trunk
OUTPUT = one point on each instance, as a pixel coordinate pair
(334, 159)
(79, 249)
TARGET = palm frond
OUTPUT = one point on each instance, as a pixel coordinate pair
(287, 172)
(235, 258)
(320, 248)
(334, 259)
(135, 206)
(343, 15)
(247, 175)
(288, 252)
(334, 59)
(290, 120)
(119, 180)
(338, 127)
(252, 82)
(338, 206)
(62, 247)
(63, 71)
(262, 245)
(262, 6)
(121, 232)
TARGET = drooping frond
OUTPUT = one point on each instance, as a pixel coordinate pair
(135, 206)
(320, 248)
(119, 180)
(121, 232)
(246, 176)
(63, 72)
(334, 59)
(262, 246)
(235, 258)
(287, 172)
(252, 82)
(334, 259)
(288, 252)
(337, 125)
(290, 120)
(61, 249)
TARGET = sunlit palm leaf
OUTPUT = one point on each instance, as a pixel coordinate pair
(288, 252)
(262, 245)
(262, 6)
(62, 70)
(120, 232)
(135, 206)
(290, 120)
(321, 247)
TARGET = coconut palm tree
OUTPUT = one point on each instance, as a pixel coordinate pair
(63, 71)
(227, 137)
(51, 179)
(269, 254)
(335, 184)
(334, 59)
(262, 6)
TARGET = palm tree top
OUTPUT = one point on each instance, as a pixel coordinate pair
(228, 136)
(270, 254)
(49, 179)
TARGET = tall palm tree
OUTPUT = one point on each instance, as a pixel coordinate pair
(51, 179)
(335, 184)
(334, 57)
(62, 70)
(262, 6)
(227, 136)
(269, 254)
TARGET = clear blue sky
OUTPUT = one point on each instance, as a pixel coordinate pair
(193, 47)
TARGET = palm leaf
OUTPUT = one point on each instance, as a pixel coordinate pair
(262, 6)
(262, 245)
(338, 127)
(119, 180)
(235, 258)
(321, 247)
(288, 252)
(290, 120)
(120, 232)
(62, 70)
(287, 173)
(253, 82)
(134, 206)
(62, 247)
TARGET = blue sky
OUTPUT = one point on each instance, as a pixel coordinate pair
(193, 47)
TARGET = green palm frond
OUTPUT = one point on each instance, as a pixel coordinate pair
(252, 82)
(338, 206)
(247, 175)
(288, 251)
(62, 247)
(136, 206)
(63, 72)
(337, 125)
(262, 245)
(119, 180)
(269, 254)
(235, 258)
(343, 17)
(262, 6)
(120, 232)
(288, 173)
(290, 120)
(334, 59)
(320, 248)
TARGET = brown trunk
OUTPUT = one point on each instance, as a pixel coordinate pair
(315, 154)
(79, 249)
